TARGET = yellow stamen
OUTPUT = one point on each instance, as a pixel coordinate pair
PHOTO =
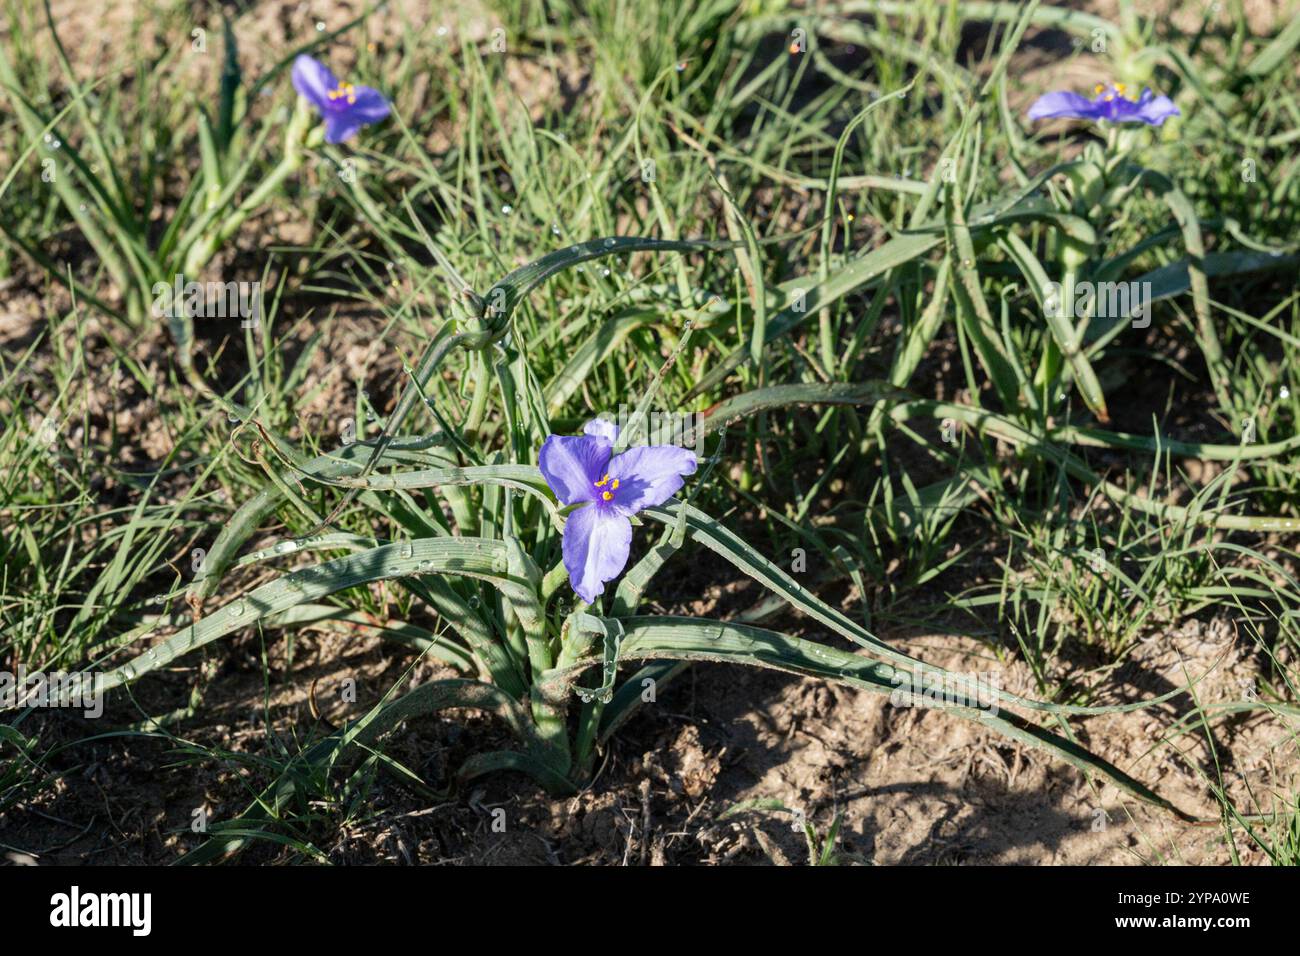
(1099, 88)
(344, 90)
(604, 481)
(615, 484)
(607, 495)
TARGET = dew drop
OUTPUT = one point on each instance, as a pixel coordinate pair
(1284, 392)
(609, 243)
(237, 609)
(320, 27)
(507, 209)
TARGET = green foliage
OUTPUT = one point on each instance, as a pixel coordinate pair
(796, 247)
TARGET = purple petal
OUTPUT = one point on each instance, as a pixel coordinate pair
(601, 428)
(649, 475)
(596, 545)
(370, 105)
(572, 465)
(340, 127)
(1155, 110)
(1064, 104)
(313, 80)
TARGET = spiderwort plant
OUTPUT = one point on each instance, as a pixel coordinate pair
(1095, 185)
(344, 107)
(233, 182)
(494, 540)
(582, 470)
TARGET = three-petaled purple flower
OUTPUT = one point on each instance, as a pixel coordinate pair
(579, 468)
(1110, 103)
(346, 108)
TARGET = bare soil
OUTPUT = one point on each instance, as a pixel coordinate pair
(915, 786)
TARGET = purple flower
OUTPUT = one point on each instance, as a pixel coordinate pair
(598, 537)
(1110, 103)
(346, 108)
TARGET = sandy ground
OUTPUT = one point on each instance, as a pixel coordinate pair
(915, 786)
